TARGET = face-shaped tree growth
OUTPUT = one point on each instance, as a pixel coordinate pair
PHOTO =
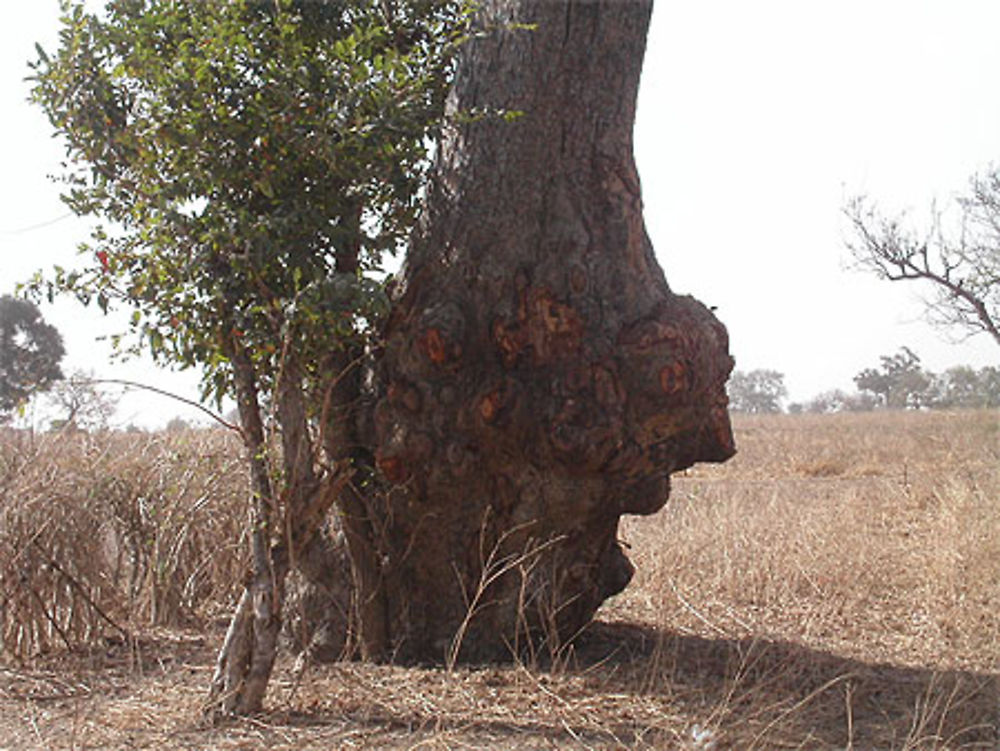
(480, 427)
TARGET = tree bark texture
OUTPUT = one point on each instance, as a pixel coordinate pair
(539, 377)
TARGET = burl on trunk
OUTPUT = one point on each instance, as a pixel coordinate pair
(539, 377)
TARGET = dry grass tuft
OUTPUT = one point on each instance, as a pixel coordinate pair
(833, 587)
(103, 535)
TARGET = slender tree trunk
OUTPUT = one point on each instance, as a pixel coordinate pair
(540, 378)
(246, 659)
(347, 410)
(359, 520)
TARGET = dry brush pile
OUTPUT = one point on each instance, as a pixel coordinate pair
(102, 535)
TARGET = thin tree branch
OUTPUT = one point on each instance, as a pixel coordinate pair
(163, 392)
(964, 271)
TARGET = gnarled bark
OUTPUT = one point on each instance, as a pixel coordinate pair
(540, 378)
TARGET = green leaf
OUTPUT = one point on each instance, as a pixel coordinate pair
(228, 149)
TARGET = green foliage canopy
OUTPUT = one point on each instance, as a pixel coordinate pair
(252, 162)
(30, 352)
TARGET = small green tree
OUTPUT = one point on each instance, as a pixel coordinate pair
(989, 386)
(252, 161)
(30, 352)
(899, 383)
(758, 391)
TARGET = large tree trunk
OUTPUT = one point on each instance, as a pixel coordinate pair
(540, 378)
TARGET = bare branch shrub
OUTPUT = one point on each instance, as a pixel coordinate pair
(960, 259)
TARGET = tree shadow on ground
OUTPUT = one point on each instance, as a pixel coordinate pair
(632, 686)
(765, 692)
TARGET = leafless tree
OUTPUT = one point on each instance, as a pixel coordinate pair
(81, 402)
(959, 255)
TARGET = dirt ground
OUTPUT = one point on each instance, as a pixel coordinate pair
(623, 686)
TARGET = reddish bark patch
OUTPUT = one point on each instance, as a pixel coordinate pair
(510, 340)
(674, 378)
(551, 328)
(556, 329)
(393, 469)
(490, 405)
(433, 345)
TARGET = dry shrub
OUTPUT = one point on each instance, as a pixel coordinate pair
(104, 533)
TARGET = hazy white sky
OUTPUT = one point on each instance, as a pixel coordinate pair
(756, 121)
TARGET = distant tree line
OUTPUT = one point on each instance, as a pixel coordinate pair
(756, 391)
(899, 382)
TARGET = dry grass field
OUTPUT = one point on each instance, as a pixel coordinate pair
(835, 586)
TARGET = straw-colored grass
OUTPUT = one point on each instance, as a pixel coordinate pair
(876, 536)
(835, 586)
(103, 535)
